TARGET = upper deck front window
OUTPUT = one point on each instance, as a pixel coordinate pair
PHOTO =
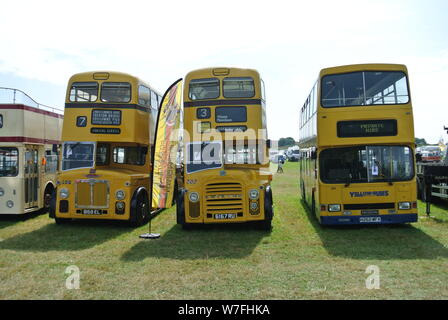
(202, 89)
(84, 92)
(364, 88)
(9, 162)
(116, 92)
(242, 87)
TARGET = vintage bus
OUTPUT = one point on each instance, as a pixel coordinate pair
(226, 177)
(30, 136)
(107, 135)
(357, 146)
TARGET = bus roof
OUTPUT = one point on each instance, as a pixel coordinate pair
(364, 67)
(102, 75)
(221, 71)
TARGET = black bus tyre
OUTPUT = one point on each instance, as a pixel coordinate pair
(48, 195)
(266, 224)
(52, 208)
(313, 204)
(139, 209)
(180, 211)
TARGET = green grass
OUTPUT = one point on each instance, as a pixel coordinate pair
(297, 260)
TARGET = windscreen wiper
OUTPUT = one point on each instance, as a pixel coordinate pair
(349, 180)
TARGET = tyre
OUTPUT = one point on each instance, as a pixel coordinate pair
(52, 209)
(266, 224)
(48, 195)
(140, 211)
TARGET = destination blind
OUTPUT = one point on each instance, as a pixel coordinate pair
(367, 128)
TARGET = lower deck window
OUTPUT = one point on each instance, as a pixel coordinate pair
(130, 155)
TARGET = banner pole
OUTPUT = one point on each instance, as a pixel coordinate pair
(151, 235)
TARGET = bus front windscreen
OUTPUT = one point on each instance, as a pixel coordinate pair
(9, 158)
(78, 155)
(203, 156)
(363, 164)
(364, 88)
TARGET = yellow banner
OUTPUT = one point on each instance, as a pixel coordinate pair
(166, 146)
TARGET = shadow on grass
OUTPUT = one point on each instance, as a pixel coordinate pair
(77, 235)
(203, 242)
(7, 220)
(384, 242)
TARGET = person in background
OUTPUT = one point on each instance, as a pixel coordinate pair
(281, 161)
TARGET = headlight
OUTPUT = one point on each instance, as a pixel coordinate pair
(334, 207)
(10, 204)
(2, 192)
(193, 196)
(254, 194)
(253, 206)
(64, 193)
(119, 205)
(404, 205)
(120, 194)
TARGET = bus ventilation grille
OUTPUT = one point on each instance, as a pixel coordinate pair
(224, 198)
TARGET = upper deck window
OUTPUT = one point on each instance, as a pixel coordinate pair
(239, 87)
(116, 92)
(84, 92)
(364, 88)
(201, 89)
(144, 96)
(9, 162)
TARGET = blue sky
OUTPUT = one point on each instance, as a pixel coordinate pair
(288, 42)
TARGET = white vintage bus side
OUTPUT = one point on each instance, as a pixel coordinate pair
(30, 135)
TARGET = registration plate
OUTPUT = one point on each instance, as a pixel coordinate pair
(370, 219)
(224, 216)
(92, 211)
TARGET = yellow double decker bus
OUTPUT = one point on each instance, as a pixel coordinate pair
(107, 134)
(226, 176)
(357, 146)
(30, 137)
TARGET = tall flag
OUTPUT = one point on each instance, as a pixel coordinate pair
(166, 147)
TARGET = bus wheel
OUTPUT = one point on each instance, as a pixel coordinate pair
(48, 197)
(139, 209)
(180, 211)
(313, 204)
(52, 209)
(266, 224)
(303, 190)
(173, 202)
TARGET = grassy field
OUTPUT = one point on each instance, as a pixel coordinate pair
(297, 260)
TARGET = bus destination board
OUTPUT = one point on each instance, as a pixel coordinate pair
(106, 117)
(367, 128)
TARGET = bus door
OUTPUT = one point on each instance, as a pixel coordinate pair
(31, 177)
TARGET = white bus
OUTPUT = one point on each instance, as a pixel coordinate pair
(30, 136)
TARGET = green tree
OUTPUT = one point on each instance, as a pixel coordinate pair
(286, 142)
(420, 142)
